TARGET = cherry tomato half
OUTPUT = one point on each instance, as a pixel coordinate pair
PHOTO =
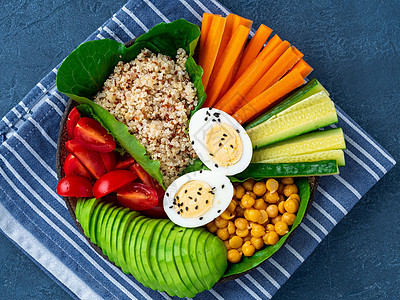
(112, 181)
(124, 162)
(109, 160)
(72, 166)
(93, 135)
(143, 175)
(137, 196)
(75, 186)
(72, 120)
(89, 158)
(157, 211)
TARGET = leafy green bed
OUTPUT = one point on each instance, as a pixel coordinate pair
(84, 71)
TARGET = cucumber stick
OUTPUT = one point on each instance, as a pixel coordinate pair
(306, 91)
(325, 140)
(262, 170)
(337, 155)
(293, 124)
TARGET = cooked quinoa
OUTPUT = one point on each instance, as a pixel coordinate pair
(153, 96)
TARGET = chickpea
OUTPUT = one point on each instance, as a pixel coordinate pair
(272, 211)
(251, 194)
(239, 211)
(248, 184)
(272, 185)
(239, 192)
(257, 242)
(241, 223)
(242, 232)
(235, 242)
(276, 219)
(247, 201)
(248, 249)
(257, 230)
(280, 188)
(281, 207)
(228, 247)
(223, 233)
(287, 180)
(288, 218)
(291, 205)
(212, 227)
(260, 204)
(290, 189)
(271, 197)
(264, 217)
(253, 215)
(232, 206)
(234, 256)
(227, 215)
(281, 228)
(295, 197)
(231, 227)
(270, 227)
(271, 238)
(259, 188)
(220, 222)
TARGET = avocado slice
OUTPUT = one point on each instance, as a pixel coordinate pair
(93, 222)
(171, 265)
(100, 221)
(108, 231)
(157, 258)
(103, 230)
(133, 253)
(113, 232)
(209, 257)
(86, 212)
(126, 243)
(217, 256)
(201, 257)
(144, 240)
(187, 261)
(78, 209)
(118, 245)
(182, 269)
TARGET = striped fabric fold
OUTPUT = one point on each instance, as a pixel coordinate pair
(36, 219)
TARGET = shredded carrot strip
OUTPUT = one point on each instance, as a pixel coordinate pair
(226, 64)
(280, 68)
(254, 47)
(236, 96)
(259, 104)
(209, 54)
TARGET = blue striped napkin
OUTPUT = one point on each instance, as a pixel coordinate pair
(37, 220)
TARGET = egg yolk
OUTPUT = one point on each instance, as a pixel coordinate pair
(224, 144)
(193, 199)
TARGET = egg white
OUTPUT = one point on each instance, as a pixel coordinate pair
(200, 124)
(223, 190)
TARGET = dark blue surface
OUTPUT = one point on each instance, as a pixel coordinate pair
(354, 48)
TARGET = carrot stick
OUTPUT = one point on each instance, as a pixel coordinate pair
(227, 34)
(271, 45)
(288, 59)
(236, 96)
(304, 68)
(254, 47)
(225, 65)
(205, 28)
(298, 53)
(259, 104)
(229, 81)
(209, 54)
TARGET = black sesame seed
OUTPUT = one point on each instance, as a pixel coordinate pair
(192, 142)
(178, 213)
(231, 146)
(180, 230)
(201, 218)
(195, 199)
(171, 207)
(201, 171)
(213, 188)
(211, 154)
(214, 120)
(174, 203)
(225, 135)
(216, 165)
(198, 193)
(222, 139)
(177, 197)
(210, 108)
(223, 186)
(190, 198)
(187, 208)
(219, 120)
(196, 207)
(207, 113)
(219, 211)
(216, 114)
(237, 130)
(185, 191)
(206, 119)
(256, 147)
(220, 144)
(200, 189)
(207, 201)
(181, 210)
(167, 194)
